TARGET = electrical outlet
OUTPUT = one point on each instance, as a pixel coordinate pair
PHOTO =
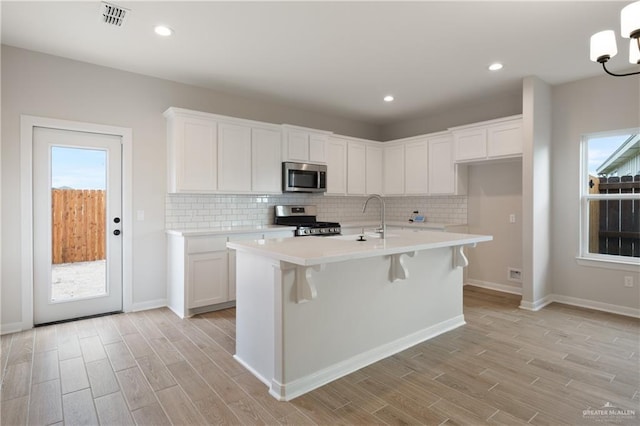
(628, 281)
(514, 274)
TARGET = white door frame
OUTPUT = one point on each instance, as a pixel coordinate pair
(27, 123)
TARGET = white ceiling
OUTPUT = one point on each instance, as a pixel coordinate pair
(333, 57)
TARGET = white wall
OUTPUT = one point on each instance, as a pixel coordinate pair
(495, 192)
(582, 107)
(500, 106)
(49, 86)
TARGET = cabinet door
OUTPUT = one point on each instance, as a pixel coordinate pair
(505, 139)
(266, 165)
(297, 146)
(393, 158)
(318, 148)
(234, 157)
(356, 169)
(208, 278)
(470, 144)
(441, 168)
(374, 170)
(336, 167)
(195, 150)
(415, 163)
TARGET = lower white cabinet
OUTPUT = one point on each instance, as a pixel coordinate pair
(201, 271)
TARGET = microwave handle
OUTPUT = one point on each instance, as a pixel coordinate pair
(318, 179)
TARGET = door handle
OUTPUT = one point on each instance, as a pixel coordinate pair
(116, 232)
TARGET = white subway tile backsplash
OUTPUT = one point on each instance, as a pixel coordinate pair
(207, 211)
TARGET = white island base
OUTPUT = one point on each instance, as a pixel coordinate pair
(300, 326)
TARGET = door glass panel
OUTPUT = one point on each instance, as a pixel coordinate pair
(78, 212)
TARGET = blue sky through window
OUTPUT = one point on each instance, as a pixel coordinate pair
(78, 168)
(601, 148)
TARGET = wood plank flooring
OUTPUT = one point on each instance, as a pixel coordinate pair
(507, 366)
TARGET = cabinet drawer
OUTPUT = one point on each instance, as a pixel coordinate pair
(206, 244)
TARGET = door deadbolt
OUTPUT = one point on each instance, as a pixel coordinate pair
(116, 232)
(116, 220)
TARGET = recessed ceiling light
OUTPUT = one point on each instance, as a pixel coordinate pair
(388, 98)
(495, 66)
(163, 30)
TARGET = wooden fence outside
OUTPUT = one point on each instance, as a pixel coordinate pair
(78, 231)
(617, 222)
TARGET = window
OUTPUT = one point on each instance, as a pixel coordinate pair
(610, 197)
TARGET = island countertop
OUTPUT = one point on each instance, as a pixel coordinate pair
(310, 251)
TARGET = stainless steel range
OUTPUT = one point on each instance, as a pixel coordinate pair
(304, 217)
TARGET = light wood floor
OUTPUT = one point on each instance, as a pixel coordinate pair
(506, 366)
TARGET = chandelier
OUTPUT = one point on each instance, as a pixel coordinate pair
(603, 44)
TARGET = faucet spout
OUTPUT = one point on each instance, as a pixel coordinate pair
(383, 225)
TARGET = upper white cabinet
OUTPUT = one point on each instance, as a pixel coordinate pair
(415, 168)
(336, 166)
(210, 153)
(445, 177)
(505, 139)
(356, 168)
(234, 158)
(393, 169)
(373, 169)
(192, 153)
(305, 145)
(266, 163)
(489, 140)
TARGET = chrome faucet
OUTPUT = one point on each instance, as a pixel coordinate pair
(383, 225)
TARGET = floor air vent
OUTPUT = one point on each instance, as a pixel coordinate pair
(113, 15)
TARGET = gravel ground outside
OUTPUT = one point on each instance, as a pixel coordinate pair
(79, 279)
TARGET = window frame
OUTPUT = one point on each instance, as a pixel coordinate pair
(585, 257)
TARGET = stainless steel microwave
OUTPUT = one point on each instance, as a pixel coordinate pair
(304, 177)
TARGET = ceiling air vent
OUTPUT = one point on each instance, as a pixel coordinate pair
(112, 14)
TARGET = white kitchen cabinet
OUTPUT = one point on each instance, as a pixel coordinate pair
(505, 139)
(445, 177)
(234, 158)
(266, 163)
(192, 153)
(373, 169)
(210, 153)
(336, 166)
(393, 169)
(489, 140)
(470, 144)
(201, 271)
(305, 145)
(415, 172)
(356, 168)
(208, 281)
(197, 273)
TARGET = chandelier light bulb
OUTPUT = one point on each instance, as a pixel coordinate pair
(603, 46)
(630, 20)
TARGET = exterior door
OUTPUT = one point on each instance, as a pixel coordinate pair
(77, 204)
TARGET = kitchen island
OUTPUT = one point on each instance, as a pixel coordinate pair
(312, 309)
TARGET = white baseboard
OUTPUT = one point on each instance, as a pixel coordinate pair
(150, 304)
(13, 327)
(559, 298)
(494, 286)
(598, 306)
(290, 390)
(537, 304)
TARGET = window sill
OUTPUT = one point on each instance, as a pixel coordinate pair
(630, 266)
